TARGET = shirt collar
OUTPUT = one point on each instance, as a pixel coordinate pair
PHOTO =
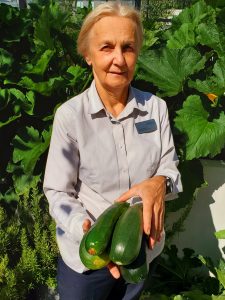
(96, 105)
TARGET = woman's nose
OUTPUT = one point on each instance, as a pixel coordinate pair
(119, 57)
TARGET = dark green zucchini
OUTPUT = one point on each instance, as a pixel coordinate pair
(100, 233)
(138, 270)
(127, 236)
(92, 262)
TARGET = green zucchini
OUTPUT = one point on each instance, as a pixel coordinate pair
(127, 236)
(99, 235)
(138, 270)
(92, 262)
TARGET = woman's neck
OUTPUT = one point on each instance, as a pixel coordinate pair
(114, 101)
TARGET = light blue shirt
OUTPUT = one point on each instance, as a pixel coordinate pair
(94, 158)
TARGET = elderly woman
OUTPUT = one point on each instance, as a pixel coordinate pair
(112, 142)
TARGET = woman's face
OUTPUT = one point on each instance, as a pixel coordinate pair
(112, 53)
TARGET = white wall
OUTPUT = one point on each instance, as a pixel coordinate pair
(206, 216)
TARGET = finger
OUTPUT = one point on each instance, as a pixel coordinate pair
(157, 225)
(86, 225)
(114, 270)
(147, 217)
(161, 220)
(153, 233)
(132, 192)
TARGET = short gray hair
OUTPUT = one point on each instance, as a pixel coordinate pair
(103, 10)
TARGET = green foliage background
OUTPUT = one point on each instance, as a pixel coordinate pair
(39, 69)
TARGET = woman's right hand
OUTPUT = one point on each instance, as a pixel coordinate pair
(114, 270)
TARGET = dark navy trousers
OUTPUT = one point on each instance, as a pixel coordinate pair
(94, 285)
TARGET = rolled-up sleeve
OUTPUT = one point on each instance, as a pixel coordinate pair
(168, 161)
(61, 178)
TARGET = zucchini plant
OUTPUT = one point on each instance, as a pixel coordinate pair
(39, 70)
(186, 67)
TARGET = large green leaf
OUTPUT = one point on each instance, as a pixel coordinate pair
(25, 102)
(52, 19)
(76, 73)
(22, 183)
(170, 68)
(13, 102)
(183, 37)
(42, 35)
(150, 38)
(219, 71)
(209, 35)
(196, 14)
(29, 145)
(214, 84)
(14, 24)
(40, 67)
(58, 17)
(44, 88)
(204, 137)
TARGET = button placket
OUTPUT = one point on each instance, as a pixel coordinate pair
(119, 137)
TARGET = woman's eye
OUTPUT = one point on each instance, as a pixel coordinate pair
(106, 48)
(128, 48)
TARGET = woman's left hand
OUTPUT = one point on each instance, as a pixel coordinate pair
(152, 191)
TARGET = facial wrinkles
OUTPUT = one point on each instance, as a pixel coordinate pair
(113, 51)
(120, 35)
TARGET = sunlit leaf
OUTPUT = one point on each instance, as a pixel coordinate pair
(169, 69)
(44, 88)
(76, 73)
(42, 36)
(209, 35)
(30, 96)
(205, 137)
(196, 14)
(183, 37)
(40, 67)
(214, 84)
(29, 145)
(26, 102)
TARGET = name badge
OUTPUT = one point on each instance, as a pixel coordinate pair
(146, 126)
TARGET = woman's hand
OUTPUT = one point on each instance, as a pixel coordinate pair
(152, 192)
(114, 270)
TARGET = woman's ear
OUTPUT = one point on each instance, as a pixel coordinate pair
(88, 59)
